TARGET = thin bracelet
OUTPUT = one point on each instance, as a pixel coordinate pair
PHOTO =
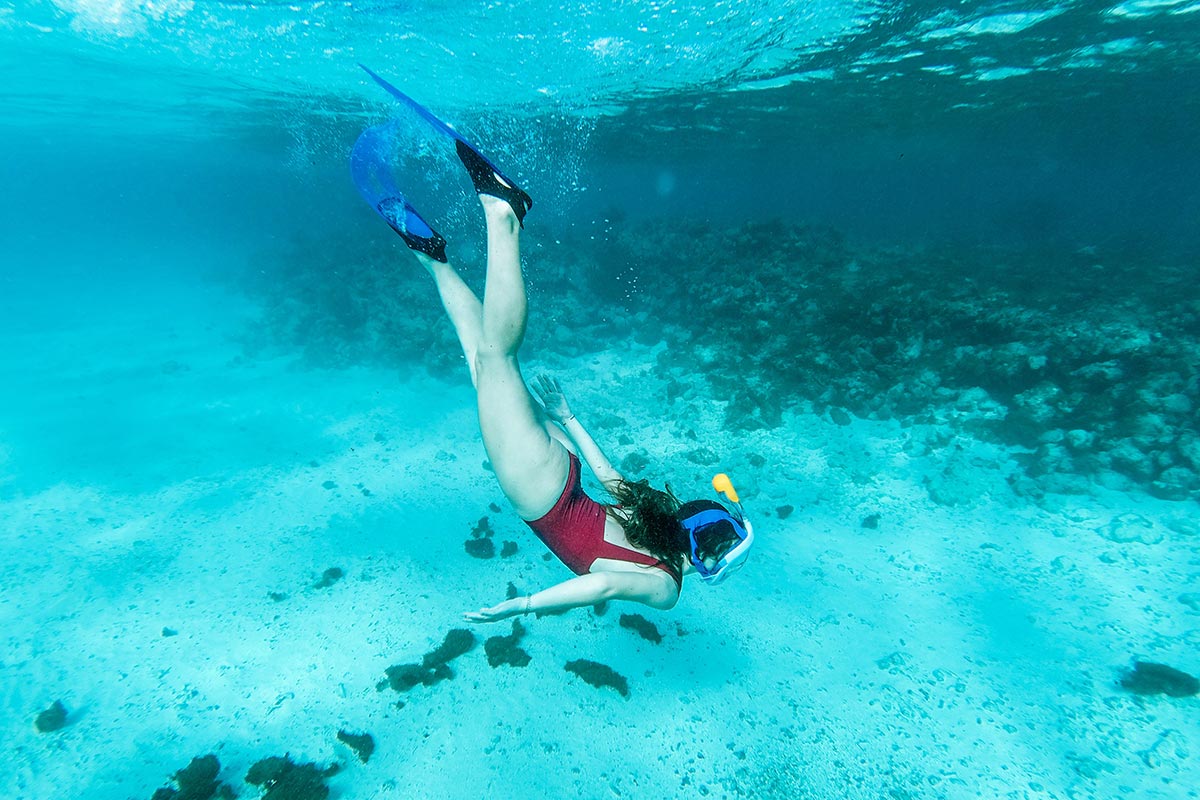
(528, 604)
(568, 419)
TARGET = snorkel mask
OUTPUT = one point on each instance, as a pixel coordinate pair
(720, 540)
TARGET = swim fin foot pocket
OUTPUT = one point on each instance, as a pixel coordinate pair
(403, 219)
(489, 180)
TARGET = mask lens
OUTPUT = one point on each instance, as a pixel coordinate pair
(714, 541)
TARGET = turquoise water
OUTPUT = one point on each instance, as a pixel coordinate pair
(919, 276)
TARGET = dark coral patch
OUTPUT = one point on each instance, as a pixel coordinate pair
(197, 781)
(599, 675)
(480, 548)
(284, 779)
(456, 643)
(434, 666)
(402, 677)
(1147, 677)
(363, 744)
(644, 627)
(506, 649)
(329, 577)
(480, 545)
(52, 719)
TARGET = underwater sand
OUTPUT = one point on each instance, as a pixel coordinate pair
(153, 477)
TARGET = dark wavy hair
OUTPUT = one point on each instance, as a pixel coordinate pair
(648, 517)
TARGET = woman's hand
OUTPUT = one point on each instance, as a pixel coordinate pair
(552, 397)
(509, 608)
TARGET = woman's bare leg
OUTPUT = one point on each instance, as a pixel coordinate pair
(466, 314)
(530, 465)
(461, 304)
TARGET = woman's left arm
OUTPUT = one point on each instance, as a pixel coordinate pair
(656, 590)
(554, 402)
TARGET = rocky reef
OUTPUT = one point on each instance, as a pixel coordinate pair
(1086, 360)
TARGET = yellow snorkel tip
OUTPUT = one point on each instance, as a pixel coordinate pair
(723, 485)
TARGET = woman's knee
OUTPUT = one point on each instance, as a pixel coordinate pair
(491, 360)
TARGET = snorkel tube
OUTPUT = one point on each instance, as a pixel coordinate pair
(724, 488)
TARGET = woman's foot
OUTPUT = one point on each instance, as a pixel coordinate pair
(490, 182)
(416, 232)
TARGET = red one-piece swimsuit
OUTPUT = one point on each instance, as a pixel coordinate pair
(574, 531)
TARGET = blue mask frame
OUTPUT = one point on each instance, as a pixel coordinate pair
(733, 558)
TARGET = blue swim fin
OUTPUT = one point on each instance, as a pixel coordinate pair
(486, 176)
(369, 168)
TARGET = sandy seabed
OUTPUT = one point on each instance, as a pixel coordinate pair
(168, 507)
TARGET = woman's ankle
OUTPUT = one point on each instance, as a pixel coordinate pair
(429, 263)
(497, 210)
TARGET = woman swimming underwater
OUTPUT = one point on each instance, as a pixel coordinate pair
(640, 546)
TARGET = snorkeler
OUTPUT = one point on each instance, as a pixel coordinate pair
(638, 548)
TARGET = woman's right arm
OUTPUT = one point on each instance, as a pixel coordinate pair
(657, 591)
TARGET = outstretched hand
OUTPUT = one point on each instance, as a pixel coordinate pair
(509, 608)
(552, 397)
